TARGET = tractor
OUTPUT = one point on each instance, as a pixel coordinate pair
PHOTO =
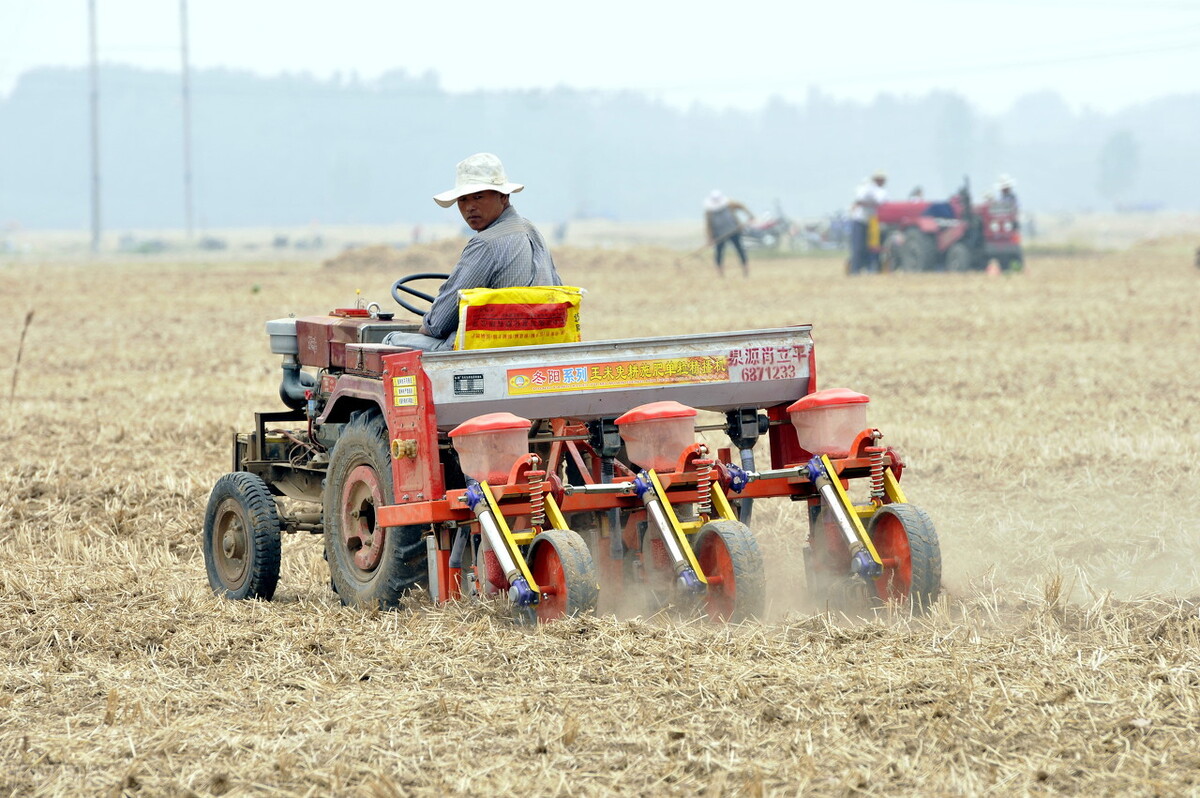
(561, 478)
(951, 235)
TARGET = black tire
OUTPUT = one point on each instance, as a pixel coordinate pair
(241, 538)
(560, 558)
(369, 566)
(890, 255)
(728, 552)
(958, 257)
(919, 252)
(905, 531)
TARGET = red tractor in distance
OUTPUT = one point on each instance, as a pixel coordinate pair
(948, 235)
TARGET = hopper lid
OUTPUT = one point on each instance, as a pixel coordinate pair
(828, 398)
(656, 410)
(492, 422)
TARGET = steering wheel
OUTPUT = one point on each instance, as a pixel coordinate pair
(401, 285)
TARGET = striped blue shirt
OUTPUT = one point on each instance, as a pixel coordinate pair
(508, 253)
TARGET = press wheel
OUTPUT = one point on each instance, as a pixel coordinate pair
(733, 565)
(563, 568)
(908, 544)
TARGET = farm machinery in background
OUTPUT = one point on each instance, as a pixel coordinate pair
(950, 235)
(770, 230)
(562, 478)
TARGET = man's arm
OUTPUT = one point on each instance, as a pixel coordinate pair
(471, 271)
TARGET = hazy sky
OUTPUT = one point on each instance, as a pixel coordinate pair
(1100, 53)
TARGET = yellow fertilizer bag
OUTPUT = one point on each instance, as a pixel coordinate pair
(873, 234)
(489, 318)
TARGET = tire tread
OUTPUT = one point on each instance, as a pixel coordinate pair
(748, 568)
(265, 549)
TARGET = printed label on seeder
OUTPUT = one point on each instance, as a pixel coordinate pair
(618, 374)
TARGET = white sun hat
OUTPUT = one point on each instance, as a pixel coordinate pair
(480, 172)
(715, 201)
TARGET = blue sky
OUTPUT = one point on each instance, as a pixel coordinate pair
(1104, 54)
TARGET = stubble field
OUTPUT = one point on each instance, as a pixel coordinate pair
(1051, 426)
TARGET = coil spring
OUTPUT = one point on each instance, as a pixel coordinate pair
(877, 491)
(537, 497)
(704, 469)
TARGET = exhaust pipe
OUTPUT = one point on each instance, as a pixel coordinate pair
(284, 341)
(295, 384)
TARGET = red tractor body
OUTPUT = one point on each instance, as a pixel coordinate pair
(948, 235)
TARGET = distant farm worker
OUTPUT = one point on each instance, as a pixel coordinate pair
(506, 251)
(724, 227)
(864, 224)
(1006, 198)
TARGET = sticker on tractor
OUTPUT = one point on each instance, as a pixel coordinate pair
(404, 391)
(618, 374)
(468, 385)
(763, 363)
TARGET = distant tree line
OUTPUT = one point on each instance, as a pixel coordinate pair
(293, 149)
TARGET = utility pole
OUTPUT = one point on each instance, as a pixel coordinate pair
(95, 103)
(187, 120)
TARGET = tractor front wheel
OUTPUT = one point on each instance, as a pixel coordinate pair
(563, 568)
(733, 565)
(369, 564)
(919, 252)
(908, 544)
(241, 538)
(958, 257)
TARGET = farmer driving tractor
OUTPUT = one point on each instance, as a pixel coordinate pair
(507, 251)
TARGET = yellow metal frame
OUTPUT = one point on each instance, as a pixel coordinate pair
(721, 504)
(891, 486)
(852, 511)
(510, 539)
(676, 527)
(554, 514)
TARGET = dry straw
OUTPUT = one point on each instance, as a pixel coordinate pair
(12, 391)
(1049, 431)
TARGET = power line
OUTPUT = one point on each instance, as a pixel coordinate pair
(95, 118)
(187, 117)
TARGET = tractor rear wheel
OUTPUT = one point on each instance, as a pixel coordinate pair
(907, 543)
(563, 568)
(369, 564)
(958, 257)
(241, 538)
(732, 563)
